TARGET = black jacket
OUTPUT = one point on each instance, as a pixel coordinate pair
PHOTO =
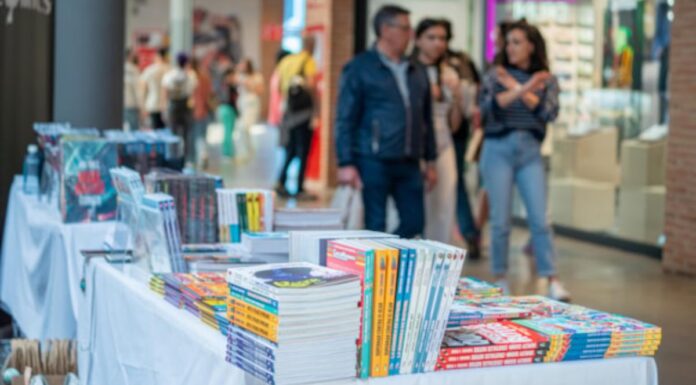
(372, 119)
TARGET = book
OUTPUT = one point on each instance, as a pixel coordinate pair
(304, 219)
(87, 193)
(357, 258)
(311, 246)
(196, 206)
(159, 230)
(244, 211)
(474, 288)
(293, 322)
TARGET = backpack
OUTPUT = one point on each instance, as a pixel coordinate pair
(299, 95)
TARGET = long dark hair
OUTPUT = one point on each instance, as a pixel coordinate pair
(425, 25)
(539, 61)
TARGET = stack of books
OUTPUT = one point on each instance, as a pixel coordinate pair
(299, 219)
(474, 288)
(128, 184)
(591, 334)
(553, 332)
(242, 211)
(311, 246)
(160, 234)
(267, 247)
(144, 151)
(293, 323)
(491, 344)
(196, 206)
(407, 291)
(217, 257)
(202, 294)
(465, 313)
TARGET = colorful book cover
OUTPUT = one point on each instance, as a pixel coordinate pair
(378, 312)
(408, 290)
(87, 190)
(389, 302)
(344, 257)
(402, 277)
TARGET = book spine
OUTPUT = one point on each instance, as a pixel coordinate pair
(398, 307)
(422, 306)
(378, 312)
(241, 213)
(408, 288)
(414, 308)
(249, 212)
(431, 299)
(368, 304)
(440, 319)
(255, 325)
(390, 301)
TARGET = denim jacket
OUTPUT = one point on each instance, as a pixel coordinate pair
(372, 118)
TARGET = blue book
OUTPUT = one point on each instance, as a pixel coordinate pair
(398, 305)
(408, 290)
(439, 290)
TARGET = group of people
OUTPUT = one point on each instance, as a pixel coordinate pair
(190, 94)
(402, 126)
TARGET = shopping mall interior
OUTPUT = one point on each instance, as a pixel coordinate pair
(618, 158)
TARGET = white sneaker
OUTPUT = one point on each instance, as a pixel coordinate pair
(503, 284)
(558, 292)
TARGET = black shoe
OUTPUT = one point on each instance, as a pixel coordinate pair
(282, 191)
(474, 251)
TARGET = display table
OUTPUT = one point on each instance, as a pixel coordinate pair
(41, 265)
(128, 335)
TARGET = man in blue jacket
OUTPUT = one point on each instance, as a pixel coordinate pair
(384, 127)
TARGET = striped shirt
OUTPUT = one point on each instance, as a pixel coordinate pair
(500, 122)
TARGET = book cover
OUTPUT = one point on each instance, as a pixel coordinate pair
(398, 307)
(378, 312)
(408, 290)
(389, 302)
(87, 191)
(346, 256)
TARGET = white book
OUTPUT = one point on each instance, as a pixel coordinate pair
(423, 269)
(429, 308)
(448, 297)
(439, 293)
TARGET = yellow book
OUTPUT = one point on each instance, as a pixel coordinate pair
(250, 211)
(378, 314)
(248, 309)
(255, 326)
(389, 299)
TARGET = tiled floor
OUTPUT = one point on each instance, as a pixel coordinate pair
(598, 277)
(629, 284)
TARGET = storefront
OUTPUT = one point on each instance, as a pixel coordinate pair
(607, 149)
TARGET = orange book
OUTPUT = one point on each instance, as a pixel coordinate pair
(378, 313)
(389, 299)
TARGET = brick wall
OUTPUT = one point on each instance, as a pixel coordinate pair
(680, 211)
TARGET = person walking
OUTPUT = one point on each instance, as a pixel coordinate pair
(179, 84)
(446, 91)
(519, 97)
(131, 103)
(151, 80)
(297, 78)
(384, 127)
(204, 104)
(250, 84)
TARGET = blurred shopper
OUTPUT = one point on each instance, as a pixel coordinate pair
(275, 99)
(469, 83)
(227, 112)
(297, 80)
(384, 127)
(204, 103)
(446, 91)
(179, 84)
(151, 80)
(519, 97)
(250, 85)
(131, 101)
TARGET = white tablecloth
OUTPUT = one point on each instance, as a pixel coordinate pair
(41, 265)
(128, 335)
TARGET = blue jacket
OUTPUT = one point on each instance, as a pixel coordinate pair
(372, 119)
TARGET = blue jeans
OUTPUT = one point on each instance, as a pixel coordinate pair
(403, 180)
(516, 160)
(465, 219)
(132, 117)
